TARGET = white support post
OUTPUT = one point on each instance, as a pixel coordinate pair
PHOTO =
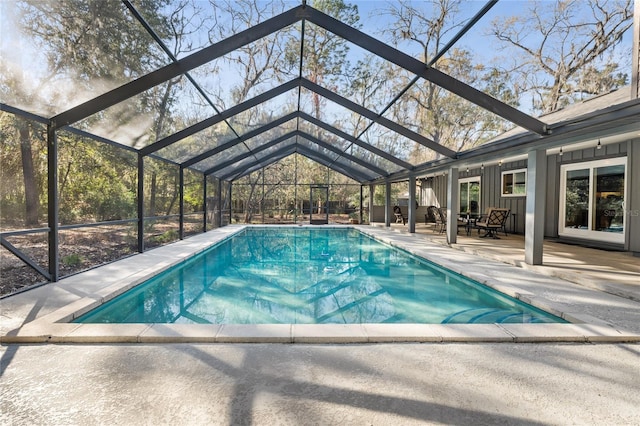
(218, 215)
(360, 206)
(372, 190)
(412, 203)
(452, 206)
(230, 203)
(387, 204)
(536, 199)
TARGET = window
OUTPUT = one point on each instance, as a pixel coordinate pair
(592, 200)
(469, 193)
(514, 183)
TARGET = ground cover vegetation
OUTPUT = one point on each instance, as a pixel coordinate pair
(57, 54)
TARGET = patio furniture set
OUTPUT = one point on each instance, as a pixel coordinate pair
(490, 223)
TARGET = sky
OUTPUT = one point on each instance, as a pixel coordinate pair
(16, 48)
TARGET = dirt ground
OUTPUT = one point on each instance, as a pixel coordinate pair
(80, 249)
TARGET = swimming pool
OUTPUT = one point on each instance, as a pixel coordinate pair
(305, 275)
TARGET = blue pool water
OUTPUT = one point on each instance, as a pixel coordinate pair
(311, 276)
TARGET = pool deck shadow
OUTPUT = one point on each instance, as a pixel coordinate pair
(43, 315)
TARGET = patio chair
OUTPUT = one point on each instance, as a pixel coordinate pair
(504, 222)
(397, 211)
(440, 215)
(492, 222)
(430, 215)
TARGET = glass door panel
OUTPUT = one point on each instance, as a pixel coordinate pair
(464, 197)
(577, 199)
(474, 198)
(609, 199)
(592, 200)
(469, 193)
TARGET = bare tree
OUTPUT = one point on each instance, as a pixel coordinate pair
(254, 62)
(427, 108)
(561, 42)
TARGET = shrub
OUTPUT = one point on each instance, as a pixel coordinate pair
(72, 260)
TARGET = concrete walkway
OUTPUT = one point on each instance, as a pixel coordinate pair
(298, 384)
(275, 384)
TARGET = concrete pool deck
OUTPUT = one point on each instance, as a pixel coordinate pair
(457, 383)
(43, 315)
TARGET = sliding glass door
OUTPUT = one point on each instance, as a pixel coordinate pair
(469, 193)
(592, 200)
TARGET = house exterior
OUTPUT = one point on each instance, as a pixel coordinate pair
(591, 176)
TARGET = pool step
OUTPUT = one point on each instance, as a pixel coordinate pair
(490, 316)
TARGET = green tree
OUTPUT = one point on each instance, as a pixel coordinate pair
(324, 53)
(19, 202)
(88, 47)
(29, 174)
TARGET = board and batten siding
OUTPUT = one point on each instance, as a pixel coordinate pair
(490, 191)
(434, 190)
(491, 187)
(491, 195)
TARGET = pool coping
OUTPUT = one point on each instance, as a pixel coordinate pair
(99, 285)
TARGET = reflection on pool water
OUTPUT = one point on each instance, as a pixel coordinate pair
(302, 275)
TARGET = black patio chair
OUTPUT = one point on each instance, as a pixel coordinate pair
(441, 219)
(492, 222)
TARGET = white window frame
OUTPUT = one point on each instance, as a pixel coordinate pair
(513, 172)
(589, 234)
(472, 179)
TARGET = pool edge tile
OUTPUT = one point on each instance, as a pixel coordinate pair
(179, 333)
(547, 332)
(104, 333)
(381, 333)
(39, 332)
(328, 333)
(595, 333)
(490, 333)
(254, 333)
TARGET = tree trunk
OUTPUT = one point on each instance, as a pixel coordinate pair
(174, 198)
(152, 195)
(29, 175)
(248, 212)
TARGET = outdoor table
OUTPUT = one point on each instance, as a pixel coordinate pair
(469, 220)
